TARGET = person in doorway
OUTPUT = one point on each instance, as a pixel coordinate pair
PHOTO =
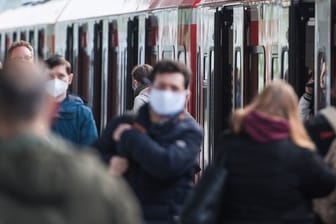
(140, 84)
(157, 150)
(74, 120)
(306, 102)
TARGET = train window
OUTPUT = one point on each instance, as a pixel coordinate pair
(181, 56)
(69, 44)
(112, 86)
(256, 78)
(97, 75)
(205, 68)
(83, 61)
(284, 64)
(32, 38)
(23, 36)
(14, 36)
(205, 109)
(7, 44)
(141, 61)
(40, 44)
(168, 53)
(151, 35)
(237, 80)
(275, 68)
(323, 80)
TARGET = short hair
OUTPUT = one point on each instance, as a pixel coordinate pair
(168, 66)
(142, 73)
(57, 60)
(21, 43)
(22, 91)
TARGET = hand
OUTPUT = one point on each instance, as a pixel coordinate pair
(118, 165)
(120, 130)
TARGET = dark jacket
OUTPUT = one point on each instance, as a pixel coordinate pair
(162, 161)
(272, 182)
(47, 181)
(75, 122)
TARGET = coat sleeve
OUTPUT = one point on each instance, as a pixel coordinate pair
(305, 109)
(316, 179)
(88, 129)
(163, 162)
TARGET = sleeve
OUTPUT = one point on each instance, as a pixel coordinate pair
(88, 129)
(304, 107)
(105, 144)
(138, 103)
(163, 162)
(316, 179)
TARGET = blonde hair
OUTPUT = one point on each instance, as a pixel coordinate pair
(278, 99)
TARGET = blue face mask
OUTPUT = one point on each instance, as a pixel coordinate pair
(166, 102)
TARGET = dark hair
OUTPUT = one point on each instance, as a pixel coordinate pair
(168, 66)
(142, 73)
(57, 60)
(21, 43)
(22, 91)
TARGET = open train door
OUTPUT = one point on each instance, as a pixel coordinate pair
(324, 54)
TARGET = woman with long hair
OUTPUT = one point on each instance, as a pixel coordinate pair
(274, 172)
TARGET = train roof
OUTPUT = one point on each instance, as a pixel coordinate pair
(34, 14)
(79, 9)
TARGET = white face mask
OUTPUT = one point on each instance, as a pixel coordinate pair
(165, 102)
(56, 87)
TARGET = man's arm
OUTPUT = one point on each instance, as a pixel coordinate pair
(162, 162)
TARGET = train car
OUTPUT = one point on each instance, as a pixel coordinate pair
(234, 48)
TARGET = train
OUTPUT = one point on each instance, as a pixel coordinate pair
(233, 48)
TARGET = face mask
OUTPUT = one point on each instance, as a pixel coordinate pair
(165, 102)
(56, 87)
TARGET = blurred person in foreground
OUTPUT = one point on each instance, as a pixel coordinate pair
(140, 84)
(274, 171)
(157, 150)
(42, 178)
(20, 51)
(74, 120)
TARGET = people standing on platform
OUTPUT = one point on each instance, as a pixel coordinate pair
(157, 150)
(274, 172)
(44, 179)
(20, 51)
(74, 120)
(140, 83)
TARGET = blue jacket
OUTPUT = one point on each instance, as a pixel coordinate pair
(162, 161)
(75, 122)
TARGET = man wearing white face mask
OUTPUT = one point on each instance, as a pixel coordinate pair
(74, 120)
(157, 151)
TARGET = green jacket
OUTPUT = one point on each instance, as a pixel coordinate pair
(42, 181)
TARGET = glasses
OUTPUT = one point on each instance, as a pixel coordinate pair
(24, 58)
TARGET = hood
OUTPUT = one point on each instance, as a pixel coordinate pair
(263, 128)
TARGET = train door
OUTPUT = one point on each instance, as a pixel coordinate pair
(324, 57)
(112, 86)
(221, 75)
(151, 51)
(97, 72)
(301, 43)
(83, 64)
(132, 58)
